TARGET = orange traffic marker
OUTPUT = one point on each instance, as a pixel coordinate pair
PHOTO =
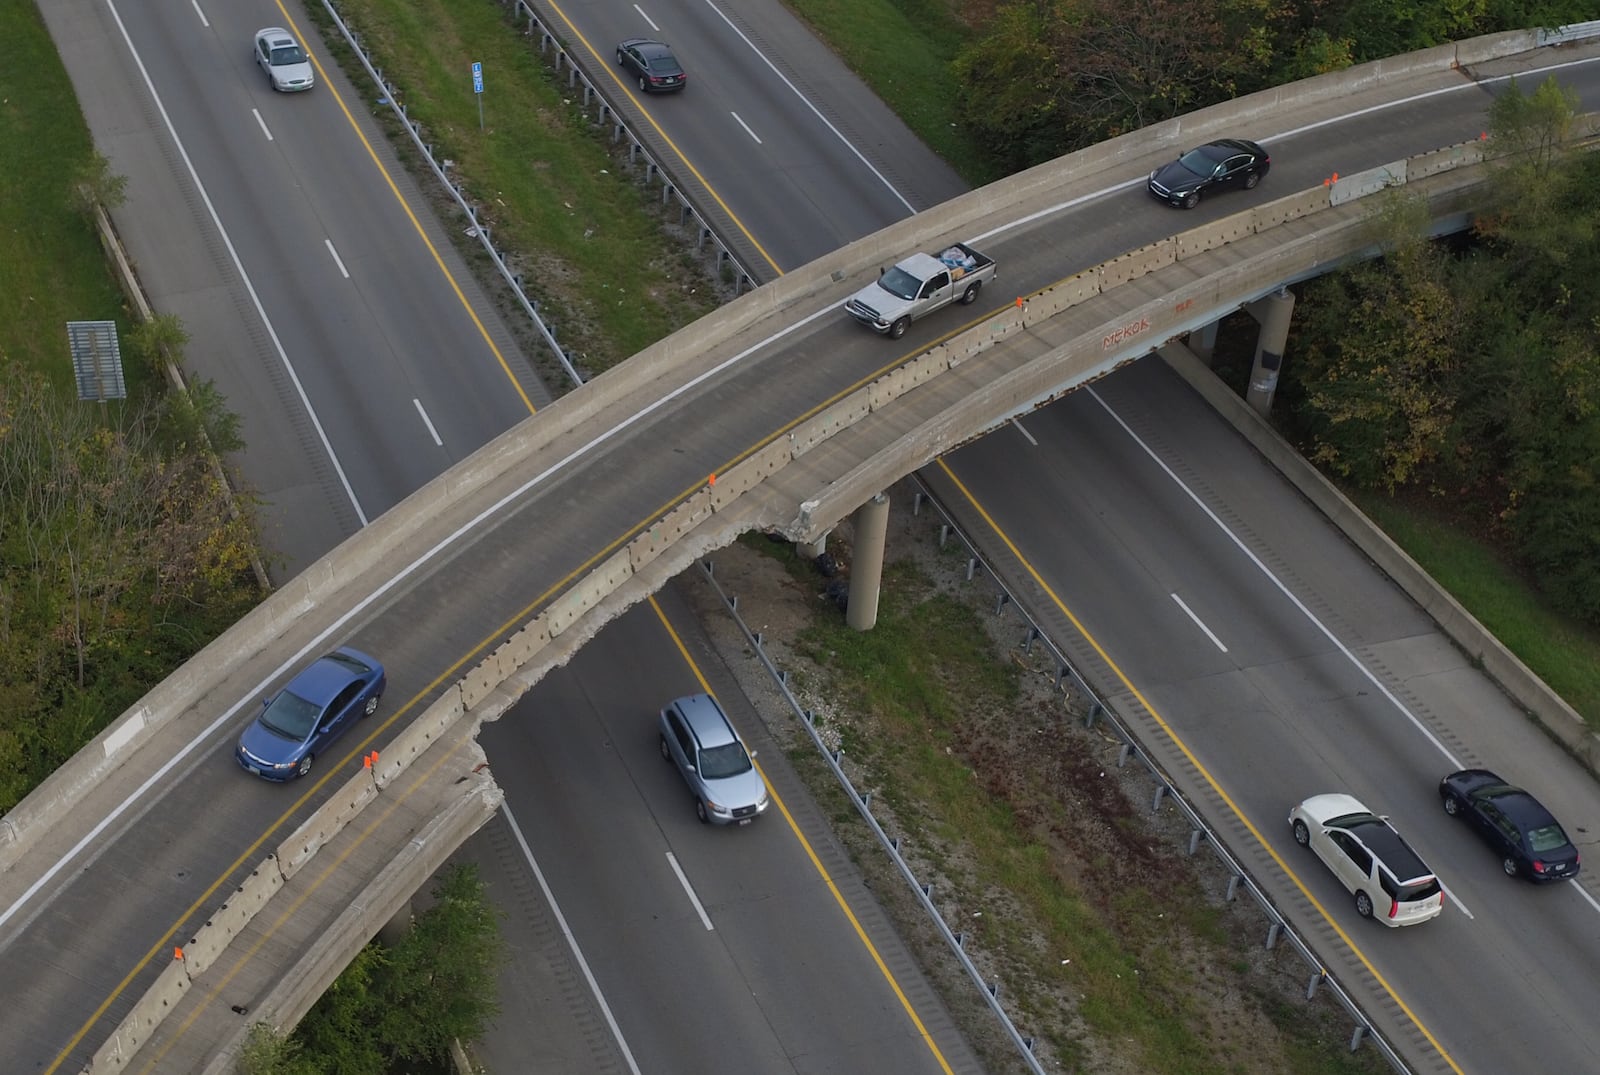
(177, 953)
(1019, 302)
(712, 481)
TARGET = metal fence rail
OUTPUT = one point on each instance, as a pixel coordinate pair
(1096, 711)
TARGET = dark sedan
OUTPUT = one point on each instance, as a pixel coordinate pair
(319, 705)
(1228, 164)
(1529, 840)
(653, 64)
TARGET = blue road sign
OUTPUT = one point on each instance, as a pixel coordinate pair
(477, 77)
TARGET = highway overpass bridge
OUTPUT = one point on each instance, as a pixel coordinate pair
(774, 412)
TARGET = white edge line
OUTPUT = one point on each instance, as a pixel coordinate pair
(572, 941)
(233, 254)
(672, 860)
(1277, 583)
(1198, 622)
(1023, 430)
(814, 110)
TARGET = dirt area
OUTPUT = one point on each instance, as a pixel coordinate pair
(1217, 1000)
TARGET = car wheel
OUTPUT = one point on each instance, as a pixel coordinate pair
(665, 753)
(1452, 807)
(644, 86)
(619, 57)
(1363, 905)
(700, 812)
(1509, 865)
(1191, 199)
(371, 707)
(1251, 180)
(1302, 835)
(970, 295)
(305, 765)
(898, 329)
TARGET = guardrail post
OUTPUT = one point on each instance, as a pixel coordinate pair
(1001, 602)
(1233, 888)
(944, 534)
(1273, 932)
(1311, 986)
(1093, 715)
(1358, 1036)
(972, 567)
(1161, 793)
(1195, 836)
(1122, 754)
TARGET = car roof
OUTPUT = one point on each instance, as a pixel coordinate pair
(706, 720)
(277, 35)
(1237, 145)
(1523, 809)
(1395, 854)
(325, 677)
(648, 47)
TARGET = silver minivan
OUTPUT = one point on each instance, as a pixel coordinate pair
(697, 738)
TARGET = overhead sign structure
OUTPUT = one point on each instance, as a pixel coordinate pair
(477, 88)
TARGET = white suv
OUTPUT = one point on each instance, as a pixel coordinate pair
(1390, 881)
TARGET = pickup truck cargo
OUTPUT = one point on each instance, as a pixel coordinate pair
(919, 285)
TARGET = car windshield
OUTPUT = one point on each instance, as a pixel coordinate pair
(900, 283)
(1547, 838)
(291, 716)
(1199, 161)
(727, 760)
(284, 55)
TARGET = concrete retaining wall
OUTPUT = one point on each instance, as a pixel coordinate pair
(159, 1001)
(327, 822)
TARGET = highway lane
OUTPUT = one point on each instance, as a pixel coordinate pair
(400, 377)
(830, 344)
(1321, 709)
(612, 825)
(1275, 710)
(280, 181)
(802, 152)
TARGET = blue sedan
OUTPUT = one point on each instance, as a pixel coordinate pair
(317, 707)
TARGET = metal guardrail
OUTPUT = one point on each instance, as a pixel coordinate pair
(595, 97)
(480, 230)
(1095, 710)
(1576, 31)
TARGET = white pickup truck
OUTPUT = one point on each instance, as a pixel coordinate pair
(918, 286)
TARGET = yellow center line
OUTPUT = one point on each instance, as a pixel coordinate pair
(1205, 773)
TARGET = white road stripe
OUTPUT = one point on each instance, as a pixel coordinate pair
(264, 128)
(672, 860)
(1024, 432)
(647, 18)
(432, 432)
(203, 20)
(1215, 641)
(336, 259)
(746, 127)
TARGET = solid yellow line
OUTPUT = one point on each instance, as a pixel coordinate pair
(327, 85)
(1194, 761)
(706, 185)
(816, 862)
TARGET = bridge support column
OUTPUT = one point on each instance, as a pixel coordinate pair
(866, 568)
(1203, 341)
(810, 550)
(1273, 313)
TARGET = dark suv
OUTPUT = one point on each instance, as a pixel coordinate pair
(697, 738)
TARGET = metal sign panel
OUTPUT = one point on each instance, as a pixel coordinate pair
(96, 360)
(477, 76)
